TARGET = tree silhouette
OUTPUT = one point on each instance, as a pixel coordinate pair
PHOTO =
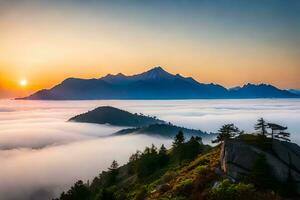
(78, 191)
(261, 127)
(162, 150)
(227, 131)
(113, 172)
(150, 160)
(163, 156)
(283, 136)
(179, 139)
(153, 149)
(114, 165)
(278, 131)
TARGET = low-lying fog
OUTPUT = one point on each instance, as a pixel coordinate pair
(41, 154)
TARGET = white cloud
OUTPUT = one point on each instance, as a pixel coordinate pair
(65, 152)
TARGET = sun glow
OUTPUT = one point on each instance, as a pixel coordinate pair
(23, 82)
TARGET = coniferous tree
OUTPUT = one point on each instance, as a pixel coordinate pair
(283, 136)
(179, 139)
(148, 162)
(78, 191)
(147, 150)
(278, 131)
(261, 127)
(114, 165)
(227, 131)
(192, 148)
(153, 149)
(113, 172)
(133, 159)
(163, 156)
(162, 150)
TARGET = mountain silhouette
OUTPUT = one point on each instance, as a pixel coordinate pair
(116, 117)
(153, 84)
(294, 91)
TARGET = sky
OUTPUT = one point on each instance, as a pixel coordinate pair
(229, 42)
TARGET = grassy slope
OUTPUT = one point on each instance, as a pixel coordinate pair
(171, 180)
(190, 180)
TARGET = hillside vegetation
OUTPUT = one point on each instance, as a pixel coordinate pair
(164, 130)
(191, 170)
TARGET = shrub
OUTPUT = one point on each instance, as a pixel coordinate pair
(229, 191)
(204, 178)
(168, 177)
(184, 188)
(202, 169)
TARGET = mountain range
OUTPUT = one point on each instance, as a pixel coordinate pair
(153, 84)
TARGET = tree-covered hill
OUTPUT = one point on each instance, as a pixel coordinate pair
(115, 116)
(141, 124)
(164, 130)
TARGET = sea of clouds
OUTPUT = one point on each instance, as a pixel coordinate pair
(41, 154)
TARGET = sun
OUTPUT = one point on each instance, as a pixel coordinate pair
(23, 82)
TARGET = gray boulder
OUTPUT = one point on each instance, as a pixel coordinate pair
(237, 159)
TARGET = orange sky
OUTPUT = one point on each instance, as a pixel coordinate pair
(48, 44)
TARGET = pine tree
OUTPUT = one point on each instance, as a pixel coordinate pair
(261, 127)
(179, 139)
(283, 136)
(227, 131)
(163, 156)
(153, 149)
(162, 150)
(278, 131)
(113, 172)
(114, 165)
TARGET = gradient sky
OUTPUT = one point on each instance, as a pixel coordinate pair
(222, 41)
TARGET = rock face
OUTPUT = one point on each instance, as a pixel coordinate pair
(237, 159)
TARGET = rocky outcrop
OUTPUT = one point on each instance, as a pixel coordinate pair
(237, 159)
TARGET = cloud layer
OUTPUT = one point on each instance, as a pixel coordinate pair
(41, 154)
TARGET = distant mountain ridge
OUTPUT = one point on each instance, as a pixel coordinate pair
(294, 91)
(165, 130)
(153, 84)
